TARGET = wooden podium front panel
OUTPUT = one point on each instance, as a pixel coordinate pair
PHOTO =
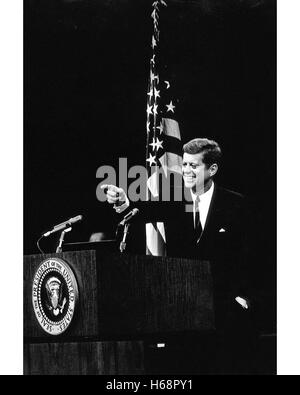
(85, 321)
(145, 294)
(122, 294)
(86, 358)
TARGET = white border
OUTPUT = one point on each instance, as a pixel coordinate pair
(288, 273)
(11, 154)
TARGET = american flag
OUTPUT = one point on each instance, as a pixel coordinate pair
(163, 150)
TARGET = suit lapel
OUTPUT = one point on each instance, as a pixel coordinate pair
(214, 211)
(212, 215)
(187, 219)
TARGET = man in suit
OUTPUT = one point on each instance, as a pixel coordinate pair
(211, 223)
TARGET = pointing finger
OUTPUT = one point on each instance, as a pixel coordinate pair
(112, 194)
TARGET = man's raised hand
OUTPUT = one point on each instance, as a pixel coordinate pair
(116, 196)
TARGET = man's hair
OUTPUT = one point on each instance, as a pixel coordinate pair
(209, 148)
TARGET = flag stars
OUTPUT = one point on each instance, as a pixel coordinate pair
(151, 160)
(157, 2)
(148, 127)
(149, 110)
(160, 128)
(153, 77)
(155, 109)
(159, 144)
(156, 93)
(150, 93)
(156, 145)
(170, 107)
(153, 42)
(168, 84)
(153, 144)
(154, 15)
(153, 60)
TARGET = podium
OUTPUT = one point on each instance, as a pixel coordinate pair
(89, 312)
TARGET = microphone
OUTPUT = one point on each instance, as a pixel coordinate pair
(63, 225)
(128, 216)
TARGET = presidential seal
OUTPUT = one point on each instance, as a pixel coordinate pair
(54, 295)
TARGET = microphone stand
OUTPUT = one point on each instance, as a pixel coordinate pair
(61, 239)
(123, 242)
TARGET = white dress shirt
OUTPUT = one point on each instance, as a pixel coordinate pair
(203, 204)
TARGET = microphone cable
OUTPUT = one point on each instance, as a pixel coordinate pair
(38, 245)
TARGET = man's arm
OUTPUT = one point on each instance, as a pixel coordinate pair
(149, 211)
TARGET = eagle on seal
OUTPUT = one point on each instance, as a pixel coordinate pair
(54, 293)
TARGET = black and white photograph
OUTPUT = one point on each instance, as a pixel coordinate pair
(150, 190)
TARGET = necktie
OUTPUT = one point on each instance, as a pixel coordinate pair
(198, 226)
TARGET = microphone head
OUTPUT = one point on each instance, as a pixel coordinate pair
(135, 211)
(128, 216)
(76, 219)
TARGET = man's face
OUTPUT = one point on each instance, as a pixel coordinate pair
(195, 173)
